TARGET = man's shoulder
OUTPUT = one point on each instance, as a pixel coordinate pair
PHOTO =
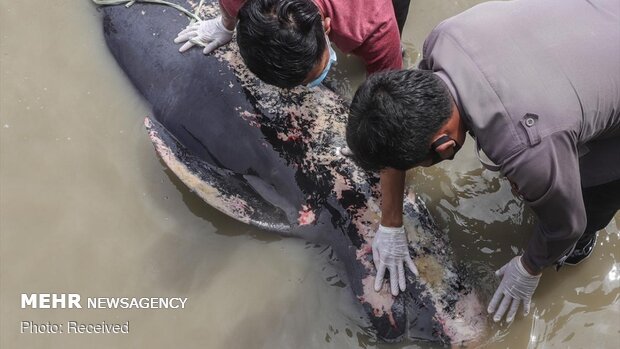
(480, 26)
(477, 18)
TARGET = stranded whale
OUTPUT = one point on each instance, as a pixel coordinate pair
(269, 157)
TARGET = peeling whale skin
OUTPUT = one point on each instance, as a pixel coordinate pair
(269, 157)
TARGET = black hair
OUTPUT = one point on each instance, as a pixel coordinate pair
(280, 41)
(393, 117)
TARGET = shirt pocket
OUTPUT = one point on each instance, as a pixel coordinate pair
(529, 123)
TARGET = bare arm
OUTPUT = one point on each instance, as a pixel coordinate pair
(392, 189)
(227, 20)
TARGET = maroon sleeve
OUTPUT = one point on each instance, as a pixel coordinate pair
(381, 50)
(232, 6)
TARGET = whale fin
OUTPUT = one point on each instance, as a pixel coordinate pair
(228, 192)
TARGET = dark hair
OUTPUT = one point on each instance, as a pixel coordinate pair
(393, 117)
(280, 41)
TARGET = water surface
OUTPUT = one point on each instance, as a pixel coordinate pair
(86, 207)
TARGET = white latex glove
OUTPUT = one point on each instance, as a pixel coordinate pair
(210, 33)
(517, 286)
(390, 251)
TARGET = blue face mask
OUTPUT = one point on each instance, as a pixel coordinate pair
(332, 58)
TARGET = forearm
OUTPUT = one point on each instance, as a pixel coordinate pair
(392, 189)
(228, 20)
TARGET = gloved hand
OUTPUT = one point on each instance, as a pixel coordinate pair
(389, 251)
(210, 33)
(517, 286)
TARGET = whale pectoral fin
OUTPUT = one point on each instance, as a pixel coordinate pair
(225, 190)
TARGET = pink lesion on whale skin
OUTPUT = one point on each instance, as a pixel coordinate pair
(251, 118)
(467, 324)
(292, 136)
(306, 216)
(381, 302)
(341, 184)
(294, 131)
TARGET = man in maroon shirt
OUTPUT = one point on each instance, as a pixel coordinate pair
(286, 43)
(291, 28)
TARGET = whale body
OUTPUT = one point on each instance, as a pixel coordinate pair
(269, 157)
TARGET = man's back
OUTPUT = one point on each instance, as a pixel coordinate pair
(559, 59)
(536, 54)
(538, 84)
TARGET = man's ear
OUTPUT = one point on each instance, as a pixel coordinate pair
(444, 149)
(327, 25)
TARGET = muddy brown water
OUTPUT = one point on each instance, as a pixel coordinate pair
(86, 207)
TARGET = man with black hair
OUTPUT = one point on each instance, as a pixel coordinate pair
(286, 43)
(541, 96)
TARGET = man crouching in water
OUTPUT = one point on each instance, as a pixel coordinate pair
(541, 96)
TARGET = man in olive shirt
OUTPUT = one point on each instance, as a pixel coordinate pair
(537, 84)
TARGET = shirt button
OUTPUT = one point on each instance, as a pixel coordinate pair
(529, 122)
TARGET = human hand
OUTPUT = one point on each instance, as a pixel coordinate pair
(390, 251)
(210, 34)
(517, 286)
